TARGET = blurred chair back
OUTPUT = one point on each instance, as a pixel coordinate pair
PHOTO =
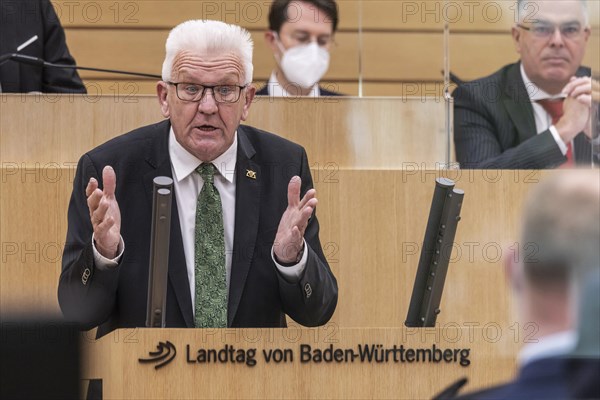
(39, 359)
(584, 367)
(588, 344)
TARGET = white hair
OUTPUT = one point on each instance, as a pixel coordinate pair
(209, 37)
(524, 11)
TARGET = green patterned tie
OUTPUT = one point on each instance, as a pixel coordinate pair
(209, 254)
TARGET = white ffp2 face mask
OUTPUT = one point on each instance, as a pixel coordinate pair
(305, 64)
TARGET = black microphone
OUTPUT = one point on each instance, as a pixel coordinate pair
(21, 58)
(451, 391)
(6, 57)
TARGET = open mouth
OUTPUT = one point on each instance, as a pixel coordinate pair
(206, 128)
(556, 59)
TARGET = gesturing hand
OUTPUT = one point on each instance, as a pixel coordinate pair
(104, 213)
(289, 238)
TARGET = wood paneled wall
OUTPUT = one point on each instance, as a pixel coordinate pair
(393, 47)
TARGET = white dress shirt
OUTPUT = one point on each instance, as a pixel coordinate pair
(276, 89)
(187, 185)
(543, 120)
(555, 345)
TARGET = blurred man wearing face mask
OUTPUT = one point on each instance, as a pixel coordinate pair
(300, 36)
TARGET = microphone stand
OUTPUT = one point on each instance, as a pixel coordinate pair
(21, 58)
(159, 252)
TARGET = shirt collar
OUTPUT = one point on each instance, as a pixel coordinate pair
(276, 90)
(538, 93)
(555, 345)
(184, 163)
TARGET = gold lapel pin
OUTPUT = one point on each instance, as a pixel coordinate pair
(250, 174)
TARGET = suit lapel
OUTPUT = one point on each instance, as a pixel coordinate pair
(517, 104)
(160, 163)
(247, 206)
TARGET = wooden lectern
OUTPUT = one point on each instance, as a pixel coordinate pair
(297, 363)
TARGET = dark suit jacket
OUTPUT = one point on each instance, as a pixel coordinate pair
(264, 91)
(583, 376)
(258, 295)
(494, 126)
(19, 21)
(546, 379)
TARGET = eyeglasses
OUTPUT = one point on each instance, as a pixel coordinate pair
(194, 92)
(545, 31)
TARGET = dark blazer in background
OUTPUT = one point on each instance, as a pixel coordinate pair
(548, 379)
(258, 295)
(264, 91)
(19, 21)
(494, 126)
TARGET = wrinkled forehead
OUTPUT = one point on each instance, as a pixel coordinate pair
(192, 66)
(553, 11)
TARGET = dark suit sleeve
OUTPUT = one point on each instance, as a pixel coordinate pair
(485, 136)
(57, 80)
(263, 91)
(312, 300)
(86, 294)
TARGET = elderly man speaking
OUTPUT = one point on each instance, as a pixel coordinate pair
(244, 248)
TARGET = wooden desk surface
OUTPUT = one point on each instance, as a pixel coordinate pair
(347, 133)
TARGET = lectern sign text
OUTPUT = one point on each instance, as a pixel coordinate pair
(362, 353)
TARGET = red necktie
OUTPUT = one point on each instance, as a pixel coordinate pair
(554, 107)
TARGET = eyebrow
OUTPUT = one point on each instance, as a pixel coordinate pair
(227, 79)
(303, 32)
(546, 22)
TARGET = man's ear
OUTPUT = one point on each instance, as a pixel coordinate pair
(516, 34)
(270, 40)
(162, 92)
(248, 98)
(513, 270)
(587, 32)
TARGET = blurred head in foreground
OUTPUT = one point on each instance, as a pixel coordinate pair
(559, 249)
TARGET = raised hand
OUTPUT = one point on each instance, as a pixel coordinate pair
(289, 239)
(577, 107)
(104, 213)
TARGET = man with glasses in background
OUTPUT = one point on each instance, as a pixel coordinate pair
(533, 114)
(300, 35)
(244, 242)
